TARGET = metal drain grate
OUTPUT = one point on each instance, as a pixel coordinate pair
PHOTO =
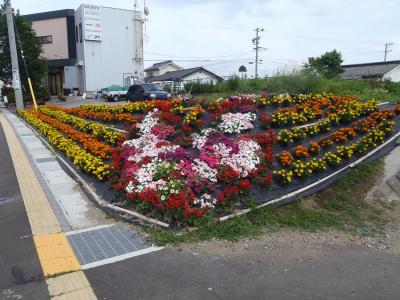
(99, 244)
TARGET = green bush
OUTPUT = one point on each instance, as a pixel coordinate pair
(302, 82)
(233, 83)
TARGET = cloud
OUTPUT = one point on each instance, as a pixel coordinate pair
(294, 30)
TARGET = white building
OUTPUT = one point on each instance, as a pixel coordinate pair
(197, 74)
(161, 68)
(90, 48)
(386, 70)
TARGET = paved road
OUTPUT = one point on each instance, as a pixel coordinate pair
(351, 272)
(77, 102)
(21, 275)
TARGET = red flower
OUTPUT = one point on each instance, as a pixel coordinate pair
(187, 128)
(199, 123)
(220, 197)
(268, 180)
(245, 185)
(146, 160)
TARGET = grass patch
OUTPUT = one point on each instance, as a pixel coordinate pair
(339, 207)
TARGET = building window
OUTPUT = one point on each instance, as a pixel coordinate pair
(76, 34)
(80, 32)
(48, 39)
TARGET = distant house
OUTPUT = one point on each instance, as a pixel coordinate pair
(161, 68)
(377, 70)
(198, 74)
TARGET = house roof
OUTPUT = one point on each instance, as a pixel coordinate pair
(181, 74)
(159, 65)
(50, 15)
(368, 70)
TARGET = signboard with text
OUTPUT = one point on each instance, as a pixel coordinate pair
(92, 22)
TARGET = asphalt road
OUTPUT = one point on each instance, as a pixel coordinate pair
(353, 272)
(21, 275)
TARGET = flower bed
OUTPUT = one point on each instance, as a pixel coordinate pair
(88, 163)
(180, 161)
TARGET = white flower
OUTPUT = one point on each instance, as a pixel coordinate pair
(236, 123)
(205, 201)
(246, 160)
(149, 121)
(204, 171)
(200, 139)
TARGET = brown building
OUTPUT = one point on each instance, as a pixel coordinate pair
(56, 32)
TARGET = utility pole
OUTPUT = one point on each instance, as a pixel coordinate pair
(256, 42)
(14, 56)
(387, 45)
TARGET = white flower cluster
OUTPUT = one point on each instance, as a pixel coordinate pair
(222, 150)
(205, 201)
(200, 139)
(144, 176)
(237, 122)
(244, 161)
(146, 145)
(149, 121)
(204, 171)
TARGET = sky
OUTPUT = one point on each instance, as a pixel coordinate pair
(217, 34)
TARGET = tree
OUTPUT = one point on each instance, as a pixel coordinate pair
(242, 69)
(328, 64)
(35, 64)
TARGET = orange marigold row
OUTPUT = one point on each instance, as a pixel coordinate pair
(95, 115)
(89, 142)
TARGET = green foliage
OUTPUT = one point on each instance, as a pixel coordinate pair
(37, 66)
(328, 64)
(342, 208)
(242, 68)
(167, 88)
(233, 83)
(303, 82)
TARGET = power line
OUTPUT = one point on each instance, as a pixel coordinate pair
(334, 40)
(200, 57)
(204, 60)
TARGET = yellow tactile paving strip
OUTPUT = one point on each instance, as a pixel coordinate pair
(70, 286)
(40, 214)
(55, 253)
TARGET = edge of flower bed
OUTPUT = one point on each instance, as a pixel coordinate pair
(89, 191)
(319, 184)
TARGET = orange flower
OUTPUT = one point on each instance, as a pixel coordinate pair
(285, 158)
(89, 142)
(300, 152)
